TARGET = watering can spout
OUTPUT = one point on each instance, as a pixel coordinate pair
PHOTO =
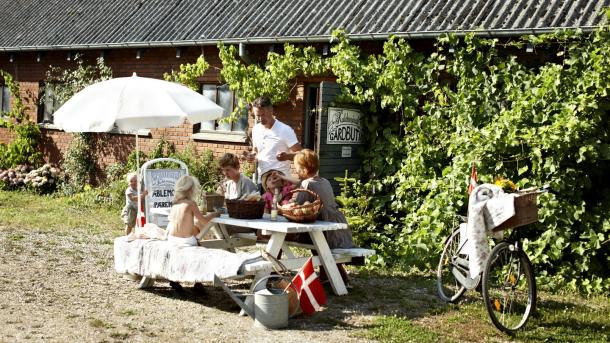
(249, 310)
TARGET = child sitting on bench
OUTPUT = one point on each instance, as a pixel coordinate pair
(185, 219)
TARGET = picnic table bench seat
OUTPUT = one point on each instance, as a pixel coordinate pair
(348, 255)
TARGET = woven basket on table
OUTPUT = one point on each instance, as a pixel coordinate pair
(212, 201)
(526, 212)
(242, 209)
(303, 213)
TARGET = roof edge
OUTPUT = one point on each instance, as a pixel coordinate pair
(298, 39)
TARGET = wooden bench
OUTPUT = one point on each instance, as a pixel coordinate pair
(353, 256)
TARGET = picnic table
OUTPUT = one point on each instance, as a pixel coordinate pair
(158, 260)
(278, 230)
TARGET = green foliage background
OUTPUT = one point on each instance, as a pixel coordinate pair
(23, 149)
(537, 126)
(431, 114)
(78, 160)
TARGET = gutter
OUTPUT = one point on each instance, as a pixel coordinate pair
(297, 39)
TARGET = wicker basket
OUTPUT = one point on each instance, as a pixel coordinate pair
(526, 212)
(242, 209)
(212, 200)
(303, 213)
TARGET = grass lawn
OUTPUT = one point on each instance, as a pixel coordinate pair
(381, 306)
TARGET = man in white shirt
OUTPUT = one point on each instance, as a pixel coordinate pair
(275, 143)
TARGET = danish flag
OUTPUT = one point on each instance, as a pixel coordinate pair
(309, 288)
(473, 178)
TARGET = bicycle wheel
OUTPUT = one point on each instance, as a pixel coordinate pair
(449, 288)
(509, 287)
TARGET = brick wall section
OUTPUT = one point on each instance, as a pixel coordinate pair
(111, 148)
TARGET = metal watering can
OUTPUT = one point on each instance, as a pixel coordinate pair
(270, 306)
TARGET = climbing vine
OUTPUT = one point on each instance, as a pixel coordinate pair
(23, 149)
(79, 161)
(544, 125)
(470, 99)
(275, 79)
(189, 73)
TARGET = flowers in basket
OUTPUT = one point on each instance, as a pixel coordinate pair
(507, 185)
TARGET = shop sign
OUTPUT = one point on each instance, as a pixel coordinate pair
(160, 184)
(343, 126)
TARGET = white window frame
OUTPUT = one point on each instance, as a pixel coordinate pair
(43, 120)
(215, 131)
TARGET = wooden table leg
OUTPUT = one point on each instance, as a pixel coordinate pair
(328, 261)
(204, 230)
(222, 233)
(275, 243)
(146, 282)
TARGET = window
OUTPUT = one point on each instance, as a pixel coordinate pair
(5, 99)
(215, 129)
(48, 103)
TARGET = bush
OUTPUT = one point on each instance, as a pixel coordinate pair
(44, 179)
(78, 164)
(14, 178)
(202, 166)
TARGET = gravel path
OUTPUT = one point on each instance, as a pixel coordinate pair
(61, 287)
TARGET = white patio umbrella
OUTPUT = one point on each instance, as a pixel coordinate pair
(132, 103)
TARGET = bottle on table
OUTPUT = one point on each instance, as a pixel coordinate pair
(276, 196)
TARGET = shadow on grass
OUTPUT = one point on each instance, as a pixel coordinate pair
(387, 308)
(371, 295)
(213, 297)
(568, 321)
(375, 295)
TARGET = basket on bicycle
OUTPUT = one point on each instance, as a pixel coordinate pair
(306, 213)
(526, 212)
(245, 209)
(210, 201)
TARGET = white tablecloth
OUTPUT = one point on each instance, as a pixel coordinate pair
(160, 259)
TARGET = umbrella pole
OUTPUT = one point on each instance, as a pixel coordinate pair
(139, 213)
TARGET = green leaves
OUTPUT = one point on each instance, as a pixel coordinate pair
(274, 78)
(23, 148)
(432, 114)
(534, 126)
(189, 73)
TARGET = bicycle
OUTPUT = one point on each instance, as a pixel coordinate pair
(508, 285)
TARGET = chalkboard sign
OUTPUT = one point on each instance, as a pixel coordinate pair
(160, 185)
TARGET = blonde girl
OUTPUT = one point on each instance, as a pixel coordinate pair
(184, 217)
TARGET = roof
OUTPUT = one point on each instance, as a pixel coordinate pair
(69, 24)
